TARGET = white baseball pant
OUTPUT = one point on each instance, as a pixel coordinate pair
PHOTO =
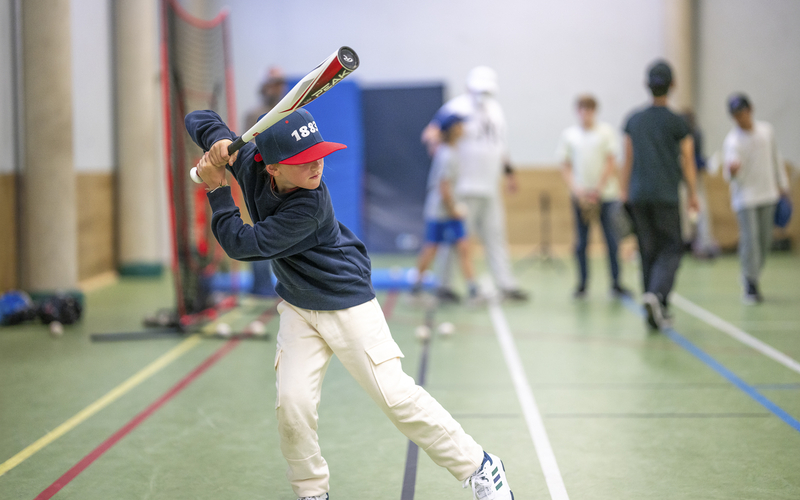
(360, 338)
(486, 220)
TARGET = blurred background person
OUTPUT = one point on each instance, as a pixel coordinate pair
(701, 237)
(272, 90)
(754, 169)
(483, 160)
(659, 153)
(444, 217)
(587, 152)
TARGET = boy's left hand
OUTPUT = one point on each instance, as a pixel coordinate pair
(218, 154)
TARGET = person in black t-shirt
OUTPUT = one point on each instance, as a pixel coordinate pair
(659, 153)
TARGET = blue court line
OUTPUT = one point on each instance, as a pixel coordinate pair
(719, 368)
(778, 387)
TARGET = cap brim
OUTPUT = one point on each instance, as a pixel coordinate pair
(314, 153)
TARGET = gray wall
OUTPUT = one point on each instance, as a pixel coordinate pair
(545, 53)
(751, 46)
(92, 79)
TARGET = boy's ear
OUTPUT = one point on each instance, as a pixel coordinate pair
(272, 169)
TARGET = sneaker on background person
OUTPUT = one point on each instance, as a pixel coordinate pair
(447, 296)
(515, 295)
(619, 292)
(655, 311)
(752, 295)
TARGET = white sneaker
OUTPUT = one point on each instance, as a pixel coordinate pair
(489, 482)
(321, 497)
(655, 314)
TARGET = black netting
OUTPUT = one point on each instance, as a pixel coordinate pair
(197, 72)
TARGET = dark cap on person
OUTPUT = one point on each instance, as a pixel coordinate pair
(659, 74)
(450, 120)
(738, 102)
(294, 140)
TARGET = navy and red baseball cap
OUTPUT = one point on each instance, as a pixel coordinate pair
(294, 140)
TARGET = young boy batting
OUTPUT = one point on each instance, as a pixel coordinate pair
(444, 220)
(328, 306)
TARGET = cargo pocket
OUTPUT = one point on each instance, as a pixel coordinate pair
(277, 379)
(395, 386)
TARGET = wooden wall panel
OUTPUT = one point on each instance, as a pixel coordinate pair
(524, 215)
(96, 221)
(8, 233)
(527, 227)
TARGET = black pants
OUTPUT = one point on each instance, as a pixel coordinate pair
(658, 230)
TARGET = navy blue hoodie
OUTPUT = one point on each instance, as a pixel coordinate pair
(320, 264)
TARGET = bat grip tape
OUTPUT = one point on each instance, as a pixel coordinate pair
(235, 146)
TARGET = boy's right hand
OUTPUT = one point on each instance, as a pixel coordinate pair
(218, 154)
(213, 176)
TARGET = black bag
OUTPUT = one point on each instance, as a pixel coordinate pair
(62, 308)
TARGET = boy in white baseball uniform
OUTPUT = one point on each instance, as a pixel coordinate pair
(752, 166)
(329, 304)
(587, 152)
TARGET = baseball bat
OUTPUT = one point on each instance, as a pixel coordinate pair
(320, 80)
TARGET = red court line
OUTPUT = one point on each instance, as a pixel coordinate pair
(391, 301)
(138, 419)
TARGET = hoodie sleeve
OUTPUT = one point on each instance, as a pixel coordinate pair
(290, 231)
(206, 128)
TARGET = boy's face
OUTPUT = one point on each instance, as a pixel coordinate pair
(586, 115)
(291, 177)
(456, 131)
(744, 118)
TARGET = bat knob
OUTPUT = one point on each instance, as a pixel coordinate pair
(195, 177)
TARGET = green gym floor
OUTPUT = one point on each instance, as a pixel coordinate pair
(577, 397)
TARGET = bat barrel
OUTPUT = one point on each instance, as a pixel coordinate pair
(348, 58)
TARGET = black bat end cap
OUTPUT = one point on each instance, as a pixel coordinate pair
(348, 58)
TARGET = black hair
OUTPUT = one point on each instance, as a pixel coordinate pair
(659, 90)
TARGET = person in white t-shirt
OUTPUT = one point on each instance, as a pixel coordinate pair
(587, 152)
(753, 167)
(483, 161)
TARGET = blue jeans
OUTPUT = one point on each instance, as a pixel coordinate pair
(582, 227)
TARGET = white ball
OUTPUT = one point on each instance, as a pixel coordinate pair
(223, 329)
(422, 332)
(446, 328)
(56, 329)
(257, 328)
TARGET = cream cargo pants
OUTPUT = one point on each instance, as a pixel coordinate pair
(360, 338)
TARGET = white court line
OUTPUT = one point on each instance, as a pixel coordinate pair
(547, 460)
(737, 333)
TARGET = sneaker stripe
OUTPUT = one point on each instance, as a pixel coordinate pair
(496, 478)
(499, 485)
(495, 471)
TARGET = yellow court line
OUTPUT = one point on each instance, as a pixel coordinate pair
(101, 403)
